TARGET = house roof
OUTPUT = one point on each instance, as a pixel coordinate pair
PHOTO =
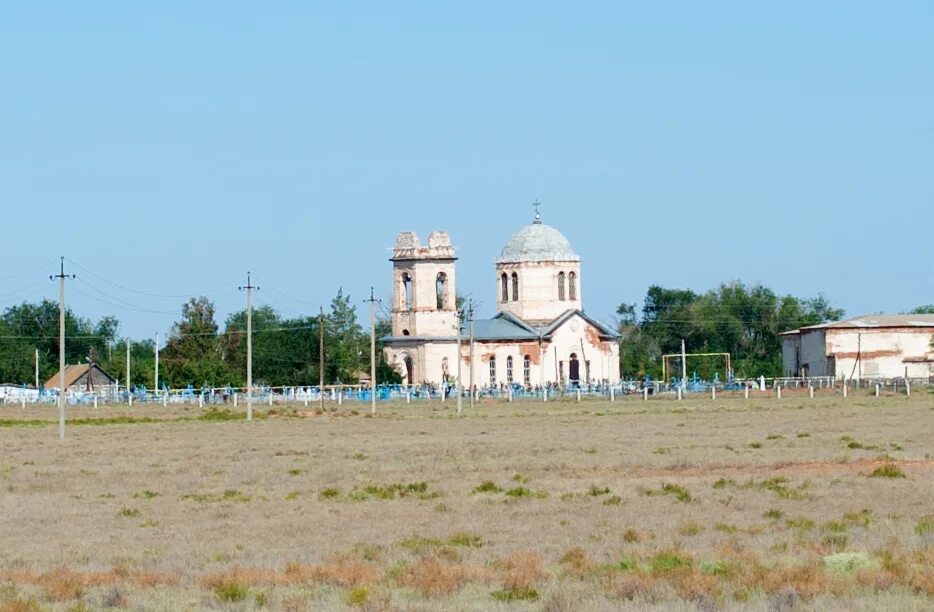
(873, 322)
(73, 373)
(606, 330)
(506, 326)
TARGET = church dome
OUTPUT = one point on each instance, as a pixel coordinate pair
(537, 242)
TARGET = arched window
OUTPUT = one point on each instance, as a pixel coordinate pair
(504, 280)
(561, 286)
(515, 287)
(572, 286)
(441, 290)
(492, 371)
(509, 370)
(527, 370)
(406, 293)
(405, 332)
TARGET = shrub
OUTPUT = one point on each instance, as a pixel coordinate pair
(613, 500)
(596, 491)
(849, 562)
(713, 567)
(667, 561)
(129, 512)
(465, 539)
(231, 592)
(520, 595)
(434, 577)
(680, 493)
(627, 563)
(357, 596)
(835, 541)
(925, 526)
(329, 493)
(889, 470)
(147, 494)
(631, 536)
(773, 514)
(487, 486)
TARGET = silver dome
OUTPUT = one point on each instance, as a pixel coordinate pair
(537, 242)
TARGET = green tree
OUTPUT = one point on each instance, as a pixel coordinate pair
(193, 354)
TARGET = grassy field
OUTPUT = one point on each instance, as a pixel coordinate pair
(694, 505)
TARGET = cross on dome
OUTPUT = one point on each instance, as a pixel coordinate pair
(538, 216)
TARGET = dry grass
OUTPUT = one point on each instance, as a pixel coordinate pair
(420, 517)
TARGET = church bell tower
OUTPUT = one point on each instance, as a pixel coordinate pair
(423, 294)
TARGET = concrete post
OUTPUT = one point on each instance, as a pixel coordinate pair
(778, 391)
(811, 391)
(612, 395)
(713, 393)
(745, 391)
(679, 394)
(578, 395)
(645, 394)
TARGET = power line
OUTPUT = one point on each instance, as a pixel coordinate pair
(229, 284)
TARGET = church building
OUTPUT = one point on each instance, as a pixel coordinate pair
(540, 333)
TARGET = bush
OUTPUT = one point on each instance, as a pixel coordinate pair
(889, 470)
(668, 560)
(487, 486)
(231, 592)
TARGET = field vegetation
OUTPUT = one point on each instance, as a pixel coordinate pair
(790, 504)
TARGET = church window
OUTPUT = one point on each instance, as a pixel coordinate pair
(509, 370)
(527, 370)
(405, 332)
(572, 286)
(504, 280)
(406, 291)
(441, 290)
(515, 287)
(561, 286)
(492, 371)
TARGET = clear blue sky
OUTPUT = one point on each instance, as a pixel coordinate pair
(171, 147)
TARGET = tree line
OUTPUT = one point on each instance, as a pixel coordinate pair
(744, 321)
(197, 351)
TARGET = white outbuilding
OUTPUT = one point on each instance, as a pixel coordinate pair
(872, 346)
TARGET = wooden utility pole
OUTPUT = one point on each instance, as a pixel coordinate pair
(460, 382)
(472, 368)
(249, 346)
(129, 393)
(372, 302)
(156, 382)
(61, 276)
(37, 368)
(321, 357)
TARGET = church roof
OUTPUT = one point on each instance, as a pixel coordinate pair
(537, 242)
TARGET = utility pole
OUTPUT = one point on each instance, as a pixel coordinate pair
(61, 276)
(156, 383)
(249, 346)
(321, 357)
(372, 302)
(472, 368)
(37, 368)
(460, 382)
(128, 392)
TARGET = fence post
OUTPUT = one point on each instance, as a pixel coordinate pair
(745, 391)
(95, 401)
(612, 395)
(908, 387)
(578, 395)
(201, 400)
(713, 393)
(811, 391)
(235, 399)
(679, 393)
(844, 389)
(778, 391)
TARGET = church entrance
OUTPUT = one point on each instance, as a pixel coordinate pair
(409, 371)
(574, 370)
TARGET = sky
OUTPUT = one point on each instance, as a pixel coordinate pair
(165, 149)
